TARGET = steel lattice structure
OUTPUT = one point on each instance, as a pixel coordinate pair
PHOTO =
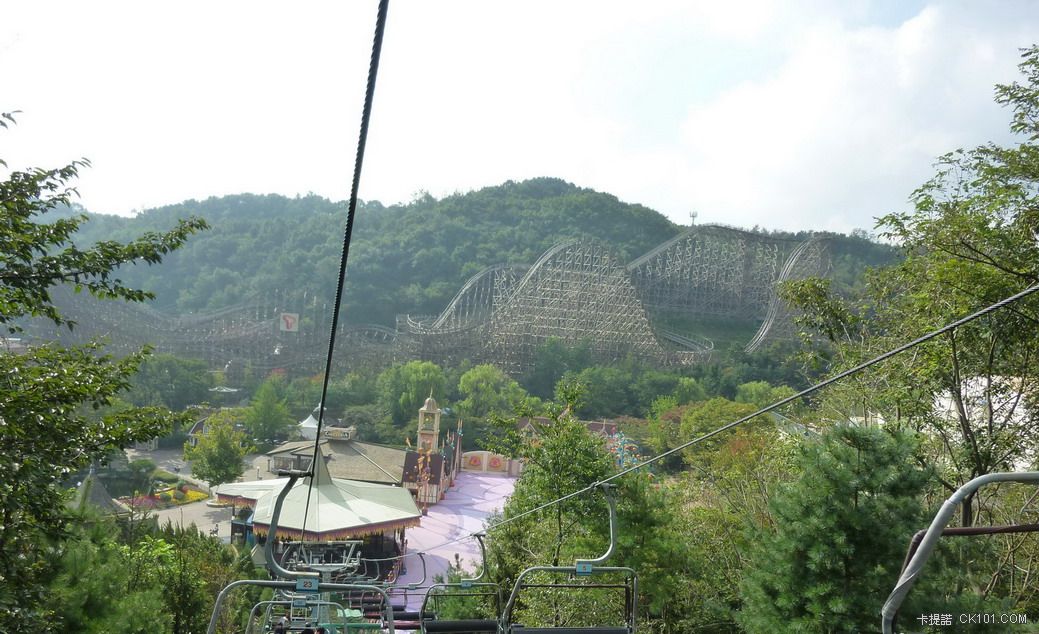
(809, 259)
(248, 334)
(577, 292)
(711, 271)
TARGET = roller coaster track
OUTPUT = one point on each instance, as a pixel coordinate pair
(475, 300)
(577, 291)
(776, 307)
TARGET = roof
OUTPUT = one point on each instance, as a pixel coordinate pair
(430, 405)
(294, 447)
(336, 508)
(370, 462)
(309, 421)
(92, 492)
(602, 428)
(352, 459)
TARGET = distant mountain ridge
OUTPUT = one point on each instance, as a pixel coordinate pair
(407, 258)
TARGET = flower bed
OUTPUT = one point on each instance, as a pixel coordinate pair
(164, 499)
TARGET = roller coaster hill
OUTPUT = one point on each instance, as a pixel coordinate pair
(578, 292)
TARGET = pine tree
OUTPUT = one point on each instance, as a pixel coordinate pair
(841, 534)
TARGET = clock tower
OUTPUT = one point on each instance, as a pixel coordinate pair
(429, 426)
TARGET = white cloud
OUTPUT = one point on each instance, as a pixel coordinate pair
(816, 115)
(849, 124)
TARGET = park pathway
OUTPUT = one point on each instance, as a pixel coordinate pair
(462, 512)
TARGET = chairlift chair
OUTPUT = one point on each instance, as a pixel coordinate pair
(582, 568)
(310, 605)
(484, 591)
(298, 580)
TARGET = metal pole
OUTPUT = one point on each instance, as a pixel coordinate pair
(934, 531)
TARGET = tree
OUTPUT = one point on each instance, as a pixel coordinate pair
(48, 393)
(104, 587)
(562, 457)
(608, 391)
(553, 359)
(268, 417)
(169, 381)
(404, 388)
(485, 389)
(969, 241)
(217, 455)
(841, 533)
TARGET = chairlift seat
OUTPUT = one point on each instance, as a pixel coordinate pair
(466, 626)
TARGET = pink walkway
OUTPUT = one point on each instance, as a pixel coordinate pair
(460, 513)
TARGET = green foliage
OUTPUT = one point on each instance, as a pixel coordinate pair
(485, 390)
(841, 533)
(405, 258)
(171, 382)
(268, 417)
(45, 394)
(608, 392)
(36, 256)
(552, 360)
(969, 241)
(103, 587)
(164, 581)
(562, 457)
(761, 394)
(403, 389)
(217, 455)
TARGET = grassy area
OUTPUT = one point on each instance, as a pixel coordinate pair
(723, 332)
(165, 476)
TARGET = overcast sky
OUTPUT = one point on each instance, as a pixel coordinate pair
(796, 115)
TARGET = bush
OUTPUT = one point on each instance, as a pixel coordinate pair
(165, 496)
(179, 495)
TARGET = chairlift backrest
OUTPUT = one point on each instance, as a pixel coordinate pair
(582, 568)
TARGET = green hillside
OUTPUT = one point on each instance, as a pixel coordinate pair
(404, 258)
(408, 258)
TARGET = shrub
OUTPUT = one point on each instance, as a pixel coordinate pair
(165, 496)
(178, 495)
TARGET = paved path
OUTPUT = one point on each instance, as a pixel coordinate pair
(462, 512)
(198, 513)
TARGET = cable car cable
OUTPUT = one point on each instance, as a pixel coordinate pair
(814, 388)
(366, 113)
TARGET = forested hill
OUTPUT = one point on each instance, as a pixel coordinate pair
(404, 258)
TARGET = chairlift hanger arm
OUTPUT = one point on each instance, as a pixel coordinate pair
(483, 560)
(585, 566)
(272, 532)
(927, 544)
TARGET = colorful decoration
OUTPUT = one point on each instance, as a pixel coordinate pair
(625, 451)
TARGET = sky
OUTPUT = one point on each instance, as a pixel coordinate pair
(770, 113)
